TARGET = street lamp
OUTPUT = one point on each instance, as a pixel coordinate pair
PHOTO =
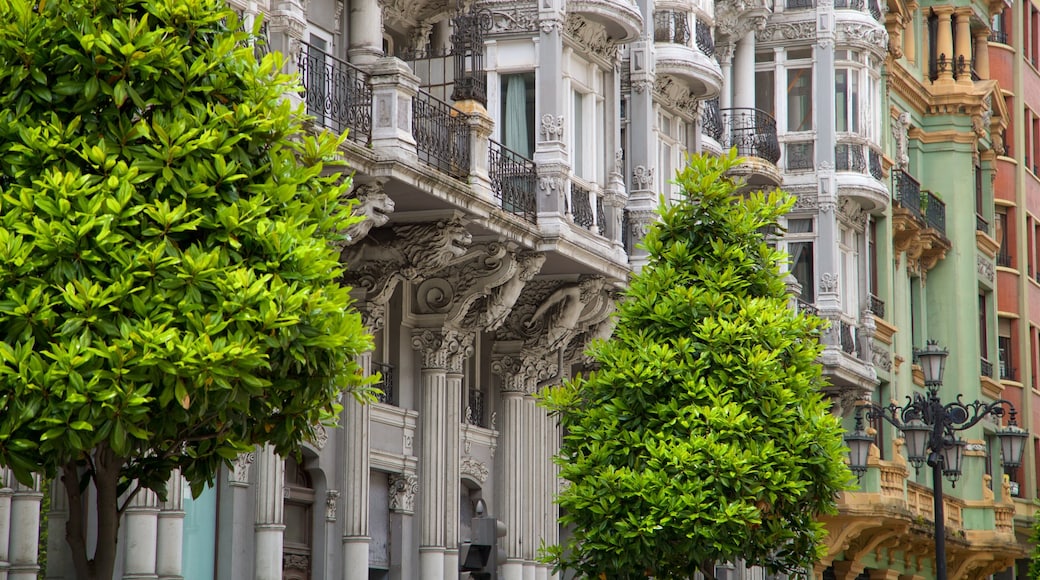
(930, 430)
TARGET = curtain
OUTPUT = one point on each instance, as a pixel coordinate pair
(515, 131)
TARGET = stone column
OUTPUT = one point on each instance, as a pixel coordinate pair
(982, 54)
(944, 43)
(356, 430)
(5, 521)
(744, 72)
(512, 463)
(141, 525)
(25, 531)
(59, 560)
(171, 530)
(235, 517)
(962, 45)
(550, 153)
(270, 525)
(440, 351)
(481, 125)
(909, 42)
(724, 52)
(403, 489)
(452, 475)
(531, 497)
(366, 35)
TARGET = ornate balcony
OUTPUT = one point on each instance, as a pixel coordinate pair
(337, 94)
(753, 133)
(686, 52)
(919, 229)
(620, 18)
(442, 135)
(859, 165)
(513, 181)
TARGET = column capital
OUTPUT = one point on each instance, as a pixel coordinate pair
(403, 488)
(943, 11)
(443, 348)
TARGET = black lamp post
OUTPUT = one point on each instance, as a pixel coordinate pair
(930, 430)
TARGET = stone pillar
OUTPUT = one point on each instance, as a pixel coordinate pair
(744, 72)
(512, 465)
(909, 42)
(481, 125)
(944, 43)
(366, 35)
(171, 530)
(642, 151)
(962, 45)
(452, 475)
(393, 87)
(982, 54)
(827, 259)
(59, 560)
(724, 51)
(356, 428)
(403, 489)
(141, 526)
(441, 351)
(270, 525)
(25, 531)
(531, 497)
(550, 152)
(235, 517)
(5, 521)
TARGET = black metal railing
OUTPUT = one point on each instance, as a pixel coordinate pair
(672, 26)
(849, 157)
(847, 332)
(702, 36)
(475, 414)
(386, 383)
(807, 307)
(985, 367)
(441, 135)
(1004, 257)
(626, 225)
(1007, 372)
(513, 181)
(981, 224)
(581, 206)
(877, 305)
(799, 4)
(875, 9)
(874, 159)
(849, 4)
(711, 118)
(935, 212)
(998, 36)
(752, 132)
(800, 156)
(337, 94)
(908, 192)
(601, 215)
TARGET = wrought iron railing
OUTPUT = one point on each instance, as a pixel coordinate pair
(799, 4)
(935, 212)
(702, 36)
(998, 36)
(849, 4)
(672, 26)
(475, 414)
(875, 9)
(386, 383)
(847, 332)
(981, 224)
(626, 224)
(752, 132)
(601, 215)
(336, 93)
(807, 307)
(800, 156)
(908, 192)
(877, 305)
(985, 367)
(849, 157)
(513, 181)
(1004, 257)
(1007, 372)
(711, 118)
(874, 158)
(441, 135)
(581, 206)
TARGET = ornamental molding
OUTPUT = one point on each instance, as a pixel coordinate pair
(442, 348)
(807, 201)
(521, 18)
(873, 37)
(985, 268)
(454, 291)
(552, 312)
(676, 96)
(320, 438)
(736, 18)
(881, 357)
(552, 127)
(643, 177)
(787, 31)
(829, 282)
(331, 501)
(852, 213)
(639, 223)
(476, 470)
(591, 37)
(403, 488)
(239, 472)
(521, 373)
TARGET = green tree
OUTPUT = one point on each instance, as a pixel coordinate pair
(169, 279)
(703, 436)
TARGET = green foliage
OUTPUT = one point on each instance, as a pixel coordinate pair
(169, 283)
(704, 436)
(1034, 559)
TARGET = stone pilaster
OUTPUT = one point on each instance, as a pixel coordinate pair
(512, 465)
(6, 493)
(270, 524)
(171, 530)
(59, 560)
(393, 87)
(356, 429)
(828, 295)
(140, 523)
(25, 530)
(481, 125)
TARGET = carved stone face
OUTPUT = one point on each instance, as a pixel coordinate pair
(377, 208)
(458, 238)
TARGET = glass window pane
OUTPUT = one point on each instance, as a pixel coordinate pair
(802, 268)
(799, 100)
(841, 99)
(765, 98)
(854, 101)
(577, 153)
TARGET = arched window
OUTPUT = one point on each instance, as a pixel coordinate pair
(299, 522)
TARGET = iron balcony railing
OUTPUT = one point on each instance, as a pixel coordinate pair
(711, 118)
(336, 93)
(986, 368)
(998, 36)
(475, 414)
(875, 164)
(1004, 257)
(626, 223)
(877, 305)
(799, 4)
(442, 135)
(386, 383)
(908, 192)
(849, 157)
(935, 213)
(847, 332)
(981, 224)
(601, 215)
(1007, 372)
(513, 181)
(800, 156)
(672, 26)
(752, 132)
(807, 307)
(581, 206)
(703, 38)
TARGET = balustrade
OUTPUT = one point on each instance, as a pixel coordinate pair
(336, 93)
(513, 181)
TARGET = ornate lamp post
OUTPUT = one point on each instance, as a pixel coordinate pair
(930, 429)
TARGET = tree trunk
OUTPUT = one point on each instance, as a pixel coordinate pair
(106, 481)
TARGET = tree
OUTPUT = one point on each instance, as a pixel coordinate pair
(169, 278)
(703, 436)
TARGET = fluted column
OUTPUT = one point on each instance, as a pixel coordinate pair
(141, 524)
(356, 422)
(531, 496)
(170, 542)
(511, 444)
(452, 475)
(6, 493)
(944, 42)
(366, 38)
(439, 351)
(25, 531)
(270, 524)
(59, 560)
(744, 72)
(982, 54)
(724, 52)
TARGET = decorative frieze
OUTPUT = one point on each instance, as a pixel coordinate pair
(591, 37)
(986, 269)
(476, 470)
(787, 31)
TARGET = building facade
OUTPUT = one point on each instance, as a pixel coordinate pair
(509, 156)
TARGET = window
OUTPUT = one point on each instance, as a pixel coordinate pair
(578, 135)
(518, 113)
(846, 100)
(299, 522)
(983, 328)
(765, 89)
(873, 259)
(848, 249)
(1004, 353)
(799, 99)
(802, 255)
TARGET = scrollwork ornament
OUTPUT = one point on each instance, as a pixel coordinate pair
(829, 282)
(643, 177)
(552, 127)
(403, 489)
